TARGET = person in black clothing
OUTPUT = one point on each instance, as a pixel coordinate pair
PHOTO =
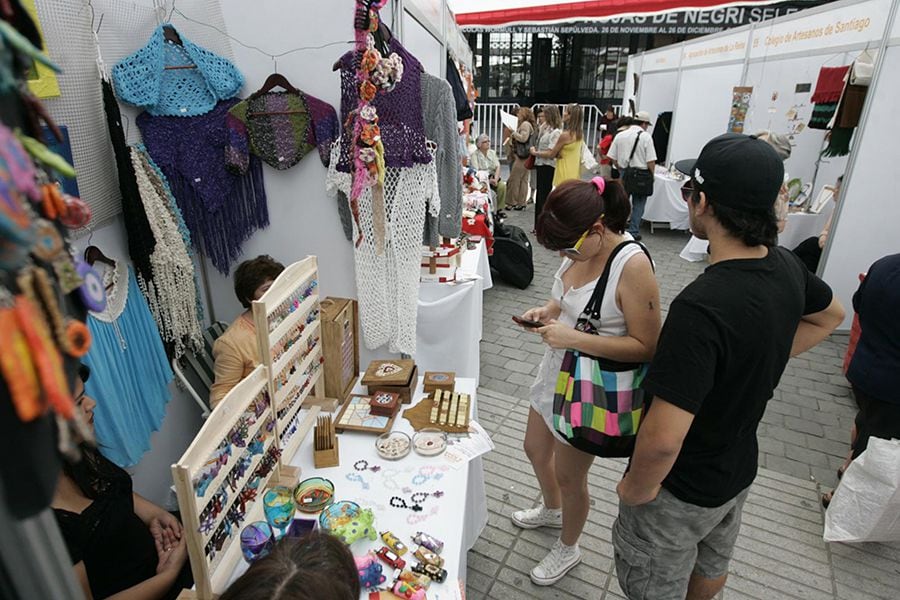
(121, 545)
(874, 370)
(722, 350)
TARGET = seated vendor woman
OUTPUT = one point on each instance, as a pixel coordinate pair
(122, 546)
(236, 351)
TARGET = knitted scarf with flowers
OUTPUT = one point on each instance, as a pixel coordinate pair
(375, 73)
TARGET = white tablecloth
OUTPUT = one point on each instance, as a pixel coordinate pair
(666, 204)
(800, 226)
(460, 515)
(695, 250)
(448, 326)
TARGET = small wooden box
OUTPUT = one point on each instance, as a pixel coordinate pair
(439, 380)
(399, 376)
(327, 458)
(340, 346)
(384, 404)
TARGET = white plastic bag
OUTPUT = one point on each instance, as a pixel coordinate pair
(588, 162)
(866, 505)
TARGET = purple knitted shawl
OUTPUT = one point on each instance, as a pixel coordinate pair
(399, 112)
(221, 209)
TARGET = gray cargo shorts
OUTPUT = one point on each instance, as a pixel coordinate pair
(659, 544)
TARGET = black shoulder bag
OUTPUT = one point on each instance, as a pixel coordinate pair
(638, 181)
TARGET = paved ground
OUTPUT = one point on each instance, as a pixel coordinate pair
(803, 438)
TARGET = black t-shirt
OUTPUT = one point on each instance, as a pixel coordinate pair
(722, 350)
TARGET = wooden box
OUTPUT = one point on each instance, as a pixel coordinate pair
(340, 344)
(399, 376)
(384, 404)
(439, 380)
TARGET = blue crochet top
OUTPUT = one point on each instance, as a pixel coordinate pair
(142, 79)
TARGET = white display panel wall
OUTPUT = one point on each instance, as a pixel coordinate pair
(866, 225)
(422, 45)
(658, 92)
(776, 106)
(704, 104)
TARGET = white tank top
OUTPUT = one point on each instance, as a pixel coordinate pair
(573, 301)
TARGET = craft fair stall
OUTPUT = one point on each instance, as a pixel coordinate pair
(808, 76)
(278, 199)
(393, 456)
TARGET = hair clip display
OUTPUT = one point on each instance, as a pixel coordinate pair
(298, 390)
(236, 436)
(236, 511)
(291, 304)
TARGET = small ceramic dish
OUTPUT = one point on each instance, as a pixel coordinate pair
(393, 445)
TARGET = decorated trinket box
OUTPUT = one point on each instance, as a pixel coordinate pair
(399, 376)
(439, 380)
(384, 404)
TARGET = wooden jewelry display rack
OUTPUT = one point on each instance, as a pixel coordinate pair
(231, 463)
(264, 418)
(288, 330)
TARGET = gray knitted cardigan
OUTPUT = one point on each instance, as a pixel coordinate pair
(439, 111)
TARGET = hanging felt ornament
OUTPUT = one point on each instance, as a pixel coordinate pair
(16, 365)
(91, 292)
(18, 164)
(16, 236)
(48, 244)
(77, 213)
(68, 277)
(47, 361)
(52, 203)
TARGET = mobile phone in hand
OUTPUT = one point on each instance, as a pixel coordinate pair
(527, 323)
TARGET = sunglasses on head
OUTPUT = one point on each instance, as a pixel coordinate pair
(575, 250)
(687, 190)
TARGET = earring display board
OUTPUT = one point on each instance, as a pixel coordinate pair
(288, 330)
(221, 478)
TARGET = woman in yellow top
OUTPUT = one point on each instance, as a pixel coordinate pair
(236, 352)
(567, 150)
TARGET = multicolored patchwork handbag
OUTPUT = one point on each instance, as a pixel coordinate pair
(598, 402)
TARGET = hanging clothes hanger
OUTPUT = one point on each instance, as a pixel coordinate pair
(273, 81)
(93, 254)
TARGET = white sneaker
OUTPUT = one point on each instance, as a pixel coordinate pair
(556, 564)
(539, 516)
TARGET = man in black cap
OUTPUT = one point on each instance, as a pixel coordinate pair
(722, 350)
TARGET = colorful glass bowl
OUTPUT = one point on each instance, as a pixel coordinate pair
(313, 494)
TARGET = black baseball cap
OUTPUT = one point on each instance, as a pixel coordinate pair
(738, 171)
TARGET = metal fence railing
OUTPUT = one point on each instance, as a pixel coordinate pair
(487, 120)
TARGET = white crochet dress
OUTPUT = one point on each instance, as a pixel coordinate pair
(388, 283)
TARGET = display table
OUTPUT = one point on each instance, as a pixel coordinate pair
(666, 204)
(448, 325)
(456, 518)
(800, 226)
